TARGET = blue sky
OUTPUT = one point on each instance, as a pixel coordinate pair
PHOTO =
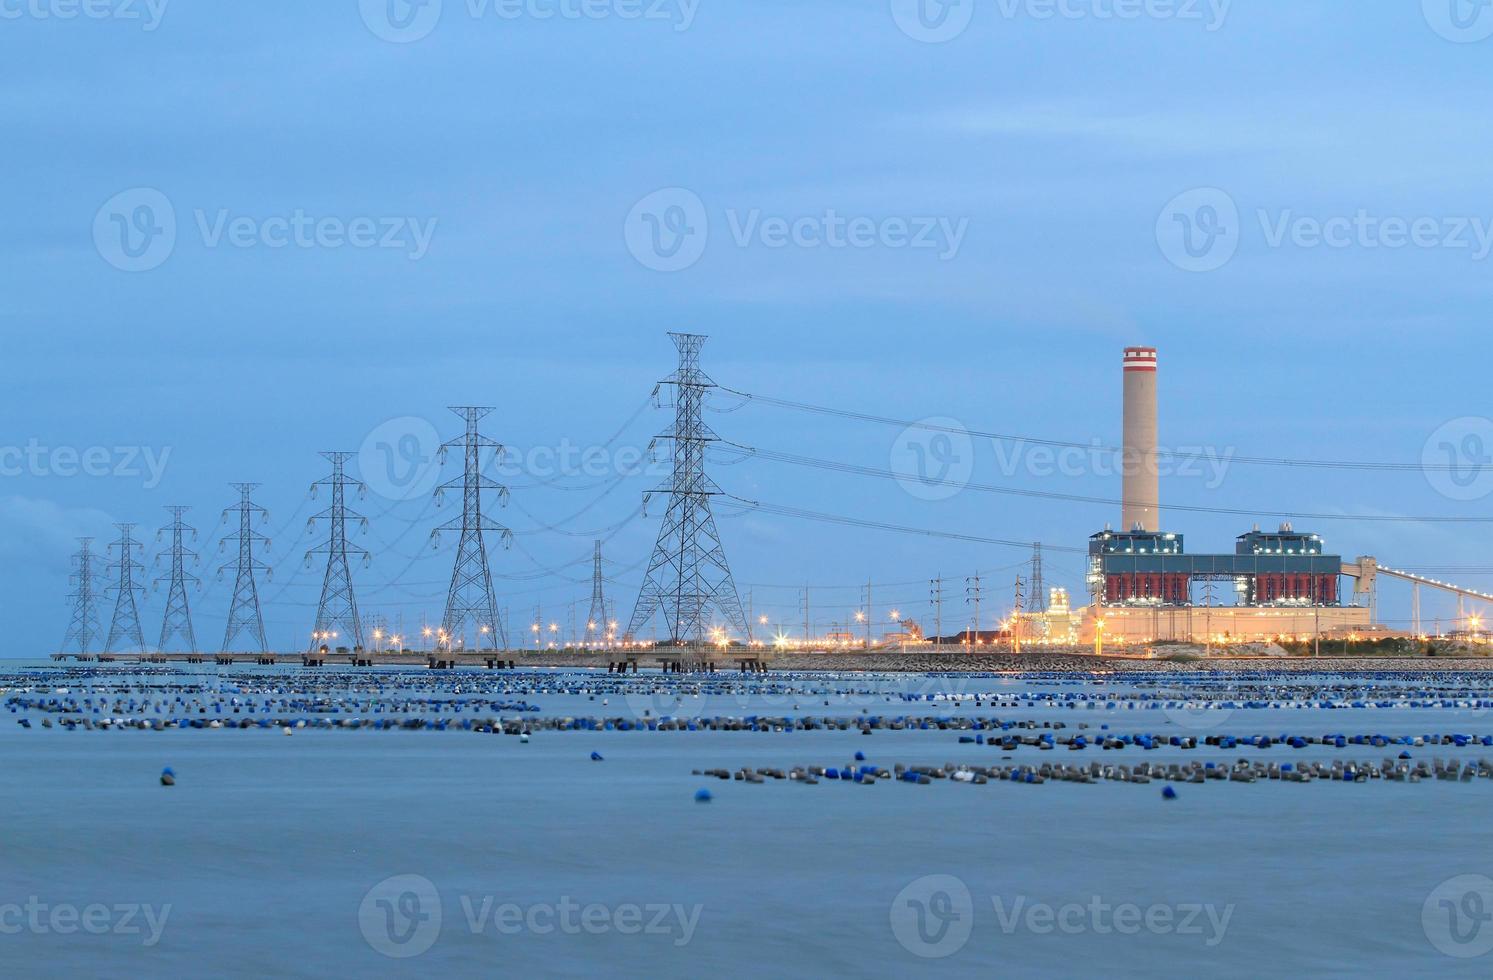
(473, 235)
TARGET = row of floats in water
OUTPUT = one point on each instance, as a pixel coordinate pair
(1242, 771)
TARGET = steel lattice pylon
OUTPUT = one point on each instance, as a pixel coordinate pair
(338, 606)
(688, 574)
(598, 623)
(1039, 588)
(178, 619)
(84, 626)
(244, 613)
(125, 626)
(470, 599)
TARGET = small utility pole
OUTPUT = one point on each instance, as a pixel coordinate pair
(972, 594)
(935, 593)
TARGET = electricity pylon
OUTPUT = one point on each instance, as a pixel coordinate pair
(125, 626)
(1038, 602)
(598, 623)
(338, 606)
(244, 613)
(688, 574)
(470, 599)
(178, 619)
(84, 626)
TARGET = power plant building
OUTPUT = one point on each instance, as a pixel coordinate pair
(1145, 584)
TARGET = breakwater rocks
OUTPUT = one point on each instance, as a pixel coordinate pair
(1240, 771)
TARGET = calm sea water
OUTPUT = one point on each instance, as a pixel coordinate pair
(322, 853)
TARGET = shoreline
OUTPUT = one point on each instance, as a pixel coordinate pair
(916, 662)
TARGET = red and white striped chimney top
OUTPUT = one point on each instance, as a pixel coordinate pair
(1140, 359)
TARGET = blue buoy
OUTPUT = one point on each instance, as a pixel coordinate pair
(703, 796)
(595, 756)
(168, 776)
(1168, 793)
(860, 757)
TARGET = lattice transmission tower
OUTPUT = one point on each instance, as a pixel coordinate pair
(244, 614)
(1038, 603)
(84, 627)
(688, 575)
(178, 619)
(470, 599)
(599, 625)
(125, 625)
(338, 608)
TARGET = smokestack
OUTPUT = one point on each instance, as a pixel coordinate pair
(1141, 495)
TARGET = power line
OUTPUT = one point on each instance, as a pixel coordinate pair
(856, 469)
(811, 515)
(1087, 447)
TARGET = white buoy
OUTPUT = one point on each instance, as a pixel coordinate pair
(523, 737)
(286, 731)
